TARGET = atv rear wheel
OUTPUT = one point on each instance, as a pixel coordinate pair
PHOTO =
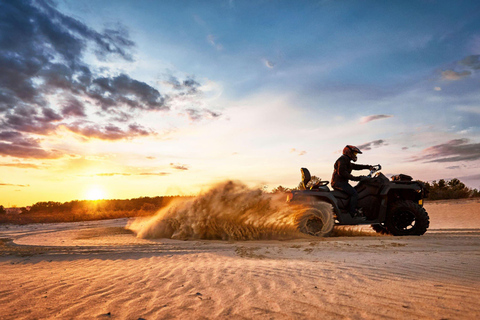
(406, 218)
(317, 221)
(380, 228)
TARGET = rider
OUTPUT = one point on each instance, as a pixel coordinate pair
(343, 172)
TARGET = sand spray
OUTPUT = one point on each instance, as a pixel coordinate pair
(227, 211)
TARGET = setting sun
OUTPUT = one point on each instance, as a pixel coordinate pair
(95, 193)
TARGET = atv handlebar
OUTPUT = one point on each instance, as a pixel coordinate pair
(374, 169)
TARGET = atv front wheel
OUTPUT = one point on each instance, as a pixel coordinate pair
(317, 221)
(406, 218)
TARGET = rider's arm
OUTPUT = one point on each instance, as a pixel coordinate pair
(360, 166)
(343, 171)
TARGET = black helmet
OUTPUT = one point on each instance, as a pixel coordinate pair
(351, 152)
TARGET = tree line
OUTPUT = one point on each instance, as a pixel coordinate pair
(450, 189)
(84, 210)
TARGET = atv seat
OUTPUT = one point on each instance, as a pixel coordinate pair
(340, 194)
(306, 177)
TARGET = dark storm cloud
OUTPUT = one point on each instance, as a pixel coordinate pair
(451, 151)
(372, 144)
(41, 54)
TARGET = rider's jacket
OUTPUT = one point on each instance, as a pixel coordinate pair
(343, 170)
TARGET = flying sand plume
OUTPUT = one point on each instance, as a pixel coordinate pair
(228, 211)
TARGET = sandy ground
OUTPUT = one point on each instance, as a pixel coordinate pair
(99, 270)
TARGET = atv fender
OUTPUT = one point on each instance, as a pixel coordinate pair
(310, 196)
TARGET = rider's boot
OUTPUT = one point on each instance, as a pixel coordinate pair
(358, 215)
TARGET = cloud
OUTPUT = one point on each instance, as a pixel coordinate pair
(154, 173)
(372, 144)
(300, 153)
(15, 144)
(111, 174)
(199, 114)
(212, 40)
(13, 185)
(374, 117)
(188, 86)
(269, 64)
(190, 91)
(107, 132)
(20, 165)
(437, 89)
(71, 107)
(42, 57)
(454, 75)
(27, 152)
(179, 166)
(469, 109)
(472, 62)
(451, 151)
(109, 92)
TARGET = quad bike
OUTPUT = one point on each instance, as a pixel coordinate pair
(391, 207)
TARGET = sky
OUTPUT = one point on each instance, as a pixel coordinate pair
(125, 99)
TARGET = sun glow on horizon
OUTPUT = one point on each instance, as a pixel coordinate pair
(95, 193)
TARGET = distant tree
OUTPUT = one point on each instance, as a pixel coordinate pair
(281, 189)
(475, 193)
(2, 210)
(148, 207)
(451, 189)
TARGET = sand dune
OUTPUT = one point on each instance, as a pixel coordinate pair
(99, 270)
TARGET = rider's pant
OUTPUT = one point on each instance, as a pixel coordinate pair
(348, 189)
